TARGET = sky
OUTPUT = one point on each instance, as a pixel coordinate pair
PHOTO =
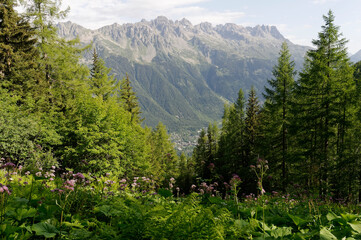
(298, 20)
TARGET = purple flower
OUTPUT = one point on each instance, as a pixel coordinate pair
(79, 176)
(8, 165)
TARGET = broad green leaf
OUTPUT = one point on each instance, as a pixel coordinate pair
(107, 210)
(45, 229)
(76, 224)
(327, 235)
(356, 226)
(281, 232)
(349, 217)
(331, 216)
(297, 220)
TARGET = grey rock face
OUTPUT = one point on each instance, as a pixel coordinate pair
(184, 73)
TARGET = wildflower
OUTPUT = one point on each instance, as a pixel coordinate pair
(41, 169)
(79, 176)
(4, 188)
(235, 180)
(107, 174)
(252, 166)
(20, 167)
(193, 186)
(26, 183)
(69, 188)
(38, 174)
(71, 183)
(51, 179)
(109, 182)
(123, 181)
(263, 191)
(172, 180)
(8, 165)
(53, 167)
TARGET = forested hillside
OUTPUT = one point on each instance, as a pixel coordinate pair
(184, 73)
(307, 130)
(57, 112)
(76, 162)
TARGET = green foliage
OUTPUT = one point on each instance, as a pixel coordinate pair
(128, 99)
(18, 54)
(80, 206)
(25, 137)
(277, 116)
(163, 158)
(324, 107)
(100, 83)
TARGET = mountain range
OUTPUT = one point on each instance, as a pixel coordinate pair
(356, 57)
(183, 74)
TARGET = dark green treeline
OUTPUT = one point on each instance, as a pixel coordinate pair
(55, 111)
(308, 128)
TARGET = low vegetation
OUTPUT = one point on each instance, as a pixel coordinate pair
(58, 204)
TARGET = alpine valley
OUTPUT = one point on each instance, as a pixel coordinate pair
(183, 74)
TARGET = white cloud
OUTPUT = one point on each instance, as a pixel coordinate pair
(323, 1)
(97, 13)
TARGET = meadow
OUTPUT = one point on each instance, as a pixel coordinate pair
(61, 204)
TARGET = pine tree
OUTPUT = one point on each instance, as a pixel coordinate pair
(277, 111)
(231, 143)
(200, 153)
(251, 141)
(17, 51)
(164, 159)
(323, 101)
(129, 100)
(100, 83)
(59, 59)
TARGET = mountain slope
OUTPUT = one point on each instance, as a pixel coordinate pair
(183, 73)
(356, 57)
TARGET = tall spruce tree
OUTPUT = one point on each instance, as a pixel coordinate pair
(277, 113)
(164, 159)
(59, 59)
(129, 100)
(323, 102)
(251, 140)
(17, 51)
(199, 155)
(100, 83)
(231, 143)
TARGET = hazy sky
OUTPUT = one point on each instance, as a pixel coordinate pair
(297, 20)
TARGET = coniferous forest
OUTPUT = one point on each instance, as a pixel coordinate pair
(77, 161)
